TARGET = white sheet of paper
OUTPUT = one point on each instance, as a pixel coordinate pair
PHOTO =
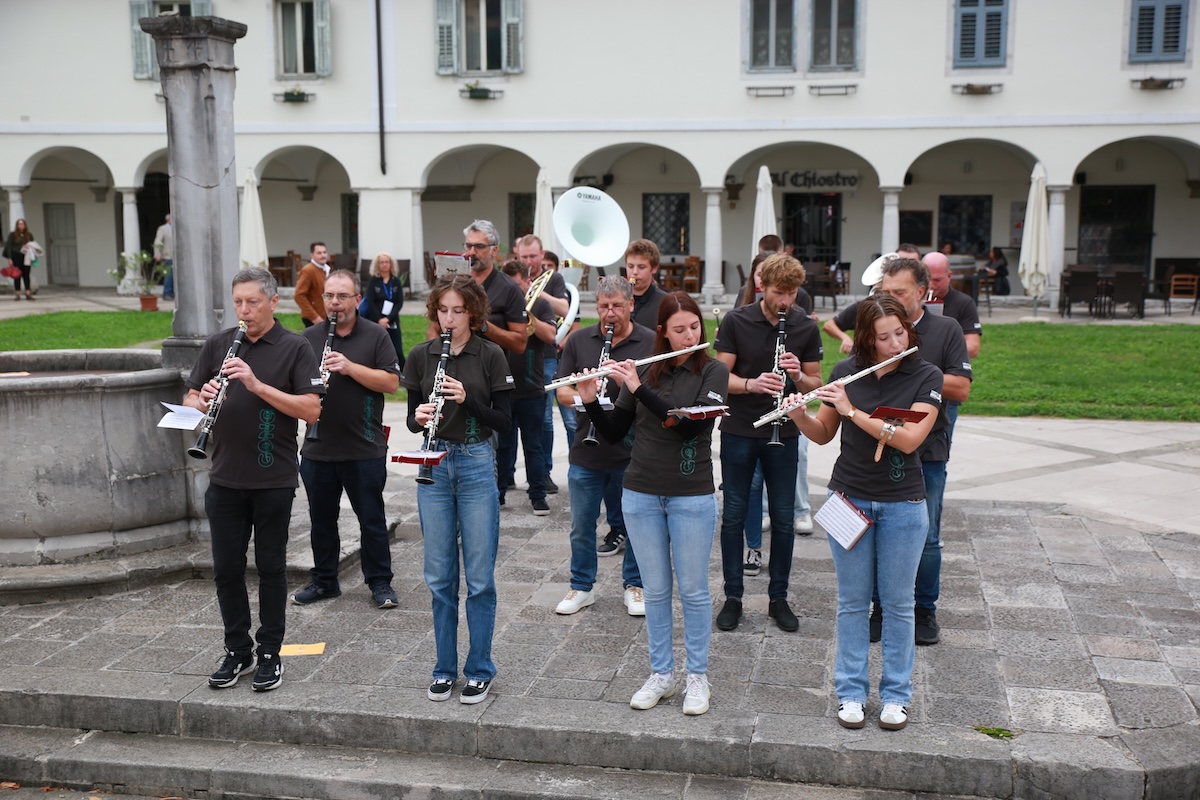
(841, 520)
(387, 307)
(184, 418)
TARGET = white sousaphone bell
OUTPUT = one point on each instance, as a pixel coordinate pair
(591, 228)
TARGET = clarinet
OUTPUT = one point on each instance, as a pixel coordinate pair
(425, 471)
(590, 437)
(780, 339)
(314, 430)
(200, 449)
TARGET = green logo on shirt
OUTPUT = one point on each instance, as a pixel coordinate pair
(369, 418)
(896, 459)
(472, 430)
(687, 464)
(266, 437)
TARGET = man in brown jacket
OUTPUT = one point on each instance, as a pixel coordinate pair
(310, 285)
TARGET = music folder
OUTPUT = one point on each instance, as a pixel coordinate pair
(900, 415)
(842, 520)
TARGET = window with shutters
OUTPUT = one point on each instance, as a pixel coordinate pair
(479, 37)
(302, 47)
(1158, 31)
(772, 32)
(981, 33)
(834, 34)
(145, 61)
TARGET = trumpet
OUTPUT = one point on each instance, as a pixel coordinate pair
(604, 372)
(780, 342)
(589, 438)
(806, 398)
(200, 449)
(531, 295)
(313, 434)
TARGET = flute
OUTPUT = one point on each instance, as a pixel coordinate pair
(808, 397)
(604, 372)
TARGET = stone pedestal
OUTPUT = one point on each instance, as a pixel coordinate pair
(195, 59)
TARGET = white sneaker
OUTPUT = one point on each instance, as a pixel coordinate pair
(635, 601)
(766, 523)
(574, 601)
(893, 717)
(695, 702)
(657, 687)
(803, 525)
(850, 715)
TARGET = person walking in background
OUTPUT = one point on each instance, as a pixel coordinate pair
(462, 504)
(669, 498)
(310, 285)
(879, 472)
(17, 239)
(384, 298)
(164, 253)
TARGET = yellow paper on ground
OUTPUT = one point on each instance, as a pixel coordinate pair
(302, 649)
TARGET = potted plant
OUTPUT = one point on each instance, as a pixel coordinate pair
(138, 274)
(477, 92)
(295, 95)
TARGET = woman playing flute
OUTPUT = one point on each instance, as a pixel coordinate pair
(669, 501)
(890, 491)
(462, 498)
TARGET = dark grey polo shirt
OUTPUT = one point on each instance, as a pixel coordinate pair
(645, 308)
(480, 366)
(962, 309)
(506, 301)
(943, 345)
(529, 368)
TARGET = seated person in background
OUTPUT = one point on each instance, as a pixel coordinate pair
(997, 269)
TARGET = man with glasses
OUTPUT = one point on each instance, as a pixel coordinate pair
(310, 285)
(596, 472)
(351, 453)
(507, 319)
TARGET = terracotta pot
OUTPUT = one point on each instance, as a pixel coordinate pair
(149, 302)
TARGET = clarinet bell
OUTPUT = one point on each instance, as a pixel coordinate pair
(590, 437)
(197, 450)
(775, 436)
(425, 474)
(313, 434)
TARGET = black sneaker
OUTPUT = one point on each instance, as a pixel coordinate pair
(926, 630)
(781, 612)
(384, 597)
(314, 592)
(731, 614)
(440, 689)
(612, 544)
(876, 623)
(475, 692)
(540, 507)
(551, 486)
(233, 666)
(753, 563)
(501, 498)
(269, 674)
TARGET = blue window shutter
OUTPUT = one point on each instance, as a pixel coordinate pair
(514, 36)
(1158, 31)
(981, 33)
(321, 38)
(143, 43)
(446, 36)
(201, 8)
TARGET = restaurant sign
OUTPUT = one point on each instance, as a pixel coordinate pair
(815, 179)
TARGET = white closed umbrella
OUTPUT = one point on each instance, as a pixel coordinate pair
(765, 221)
(253, 249)
(1034, 268)
(543, 214)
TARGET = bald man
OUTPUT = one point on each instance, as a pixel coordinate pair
(956, 305)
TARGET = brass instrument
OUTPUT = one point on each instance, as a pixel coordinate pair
(808, 397)
(589, 438)
(531, 295)
(780, 342)
(604, 372)
(200, 449)
(313, 434)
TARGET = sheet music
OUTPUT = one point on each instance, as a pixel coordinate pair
(183, 418)
(700, 412)
(842, 520)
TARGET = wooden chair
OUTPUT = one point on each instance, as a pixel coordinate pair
(1186, 287)
(693, 267)
(281, 268)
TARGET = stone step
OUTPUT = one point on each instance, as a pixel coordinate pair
(726, 742)
(215, 770)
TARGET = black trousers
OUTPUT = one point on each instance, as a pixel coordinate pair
(234, 515)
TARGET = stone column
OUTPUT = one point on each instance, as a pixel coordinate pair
(889, 238)
(1056, 240)
(16, 206)
(383, 224)
(714, 275)
(195, 59)
(418, 245)
(129, 219)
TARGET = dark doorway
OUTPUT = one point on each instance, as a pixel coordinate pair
(965, 222)
(1116, 225)
(153, 205)
(813, 223)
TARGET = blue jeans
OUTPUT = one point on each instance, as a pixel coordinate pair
(462, 499)
(169, 280)
(952, 416)
(396, 335)
(757, 498)
(891, 547)
(678, 531)
(588, 487)
(929, 573)
(740, 455)
(363, 483)
(526, 418)
(570, 423)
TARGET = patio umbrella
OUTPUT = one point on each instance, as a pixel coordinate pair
(253, 249)
(764, 210)
(1035, 252)
(543, 214)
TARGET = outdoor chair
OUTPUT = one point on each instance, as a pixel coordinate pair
(1128, 288)
(1186, 287)
(691, 273)
(1083, 286)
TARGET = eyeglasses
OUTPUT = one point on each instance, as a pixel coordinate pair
(476, 245)
(618, 307)
(340, 297)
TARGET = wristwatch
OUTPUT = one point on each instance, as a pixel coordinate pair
(851, 413)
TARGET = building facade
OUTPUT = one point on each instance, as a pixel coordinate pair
(391, 124)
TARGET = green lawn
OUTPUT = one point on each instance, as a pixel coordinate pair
(1028, 369)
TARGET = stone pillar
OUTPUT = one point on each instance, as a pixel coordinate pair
(383, 224)
(714, 275)
(16, 206)
(1056, 240)
(889, 238)
(418, 245)
(131, 228)
(195, 59)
